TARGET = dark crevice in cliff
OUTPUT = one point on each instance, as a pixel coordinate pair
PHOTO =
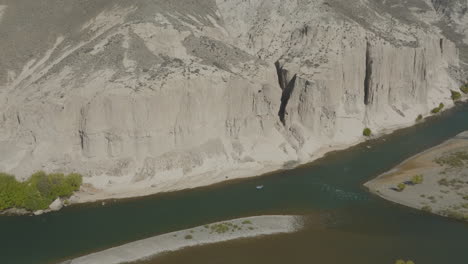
(281, 75)
(287, 87)
(442, 45)
(285, 99)
(367, 79)
(82, 137)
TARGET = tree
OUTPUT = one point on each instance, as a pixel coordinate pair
(367, 132)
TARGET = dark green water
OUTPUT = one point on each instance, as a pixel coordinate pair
(356, 227)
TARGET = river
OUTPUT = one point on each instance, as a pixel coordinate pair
(347, 224)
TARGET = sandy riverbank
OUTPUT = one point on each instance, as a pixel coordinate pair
(89, 193)
(444, 189)
(201, 235)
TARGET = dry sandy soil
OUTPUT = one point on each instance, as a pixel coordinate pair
(444, 186)
(207, 234)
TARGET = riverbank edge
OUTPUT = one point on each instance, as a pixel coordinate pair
(84, 196)
(233, 229)
(398, 173)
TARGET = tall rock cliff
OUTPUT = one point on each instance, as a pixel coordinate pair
(171, 94)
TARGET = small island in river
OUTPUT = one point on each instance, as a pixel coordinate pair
(435, 181)
(202, 235)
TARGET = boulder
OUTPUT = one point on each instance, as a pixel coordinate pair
(56, 205)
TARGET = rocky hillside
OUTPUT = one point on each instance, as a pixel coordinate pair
(170, 94)
(452, 18)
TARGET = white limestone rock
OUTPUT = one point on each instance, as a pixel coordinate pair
(56, 205)
(175, 94)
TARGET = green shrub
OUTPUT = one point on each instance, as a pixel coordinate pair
(401, 187)
(417, 179)
(221, 228)
(438, 109)
(464, 88)
(38, 192)
(419, 118)
(367, 132)
(188, 237)
(455, 95)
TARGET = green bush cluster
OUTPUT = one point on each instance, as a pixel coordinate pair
(367, 132)
(438, 109)
(38, 192)
(455, 95)
(464, 88)
(417, 179)
(225, 227)
(419, 118)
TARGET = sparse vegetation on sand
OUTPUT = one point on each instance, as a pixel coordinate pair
(434, 181)
(456, 159)
(38, 192)
(401, 187)
(227, 227)
(417, 179)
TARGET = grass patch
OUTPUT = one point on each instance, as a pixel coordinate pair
(188, 237)
(438, 109)
(221, 228)
(38, 192)
(455, 95)
(453, 160)
(367, 132)
(417, 179)
(247, 222)
(401, 187)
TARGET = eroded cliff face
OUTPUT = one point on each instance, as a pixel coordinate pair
(452, 17)
(174, 94)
